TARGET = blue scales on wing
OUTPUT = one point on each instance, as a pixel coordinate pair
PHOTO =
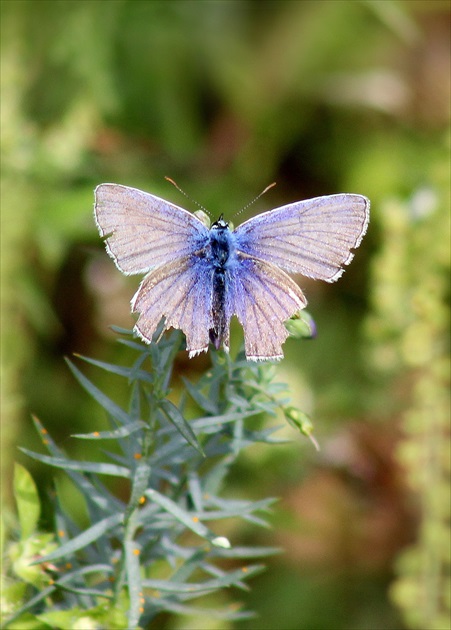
(313, 237)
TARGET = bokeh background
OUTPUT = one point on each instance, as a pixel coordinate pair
(226, 97)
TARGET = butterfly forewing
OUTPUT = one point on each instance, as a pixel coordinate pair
(313, 237)
(181, 292)
(144, 231)
(263, 298)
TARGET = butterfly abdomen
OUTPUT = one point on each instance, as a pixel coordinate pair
(219, 332)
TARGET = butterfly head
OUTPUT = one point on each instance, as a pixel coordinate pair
(220, 224)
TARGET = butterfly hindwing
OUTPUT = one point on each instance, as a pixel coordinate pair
(263, 297)
(144, 231)
(313, 237)
(181, 292)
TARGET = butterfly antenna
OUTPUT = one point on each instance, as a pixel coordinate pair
(255, 199)
(196, 203)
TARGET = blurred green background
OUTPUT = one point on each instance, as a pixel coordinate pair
(226, 97)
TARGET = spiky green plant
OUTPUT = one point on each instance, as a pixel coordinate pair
(155, 553)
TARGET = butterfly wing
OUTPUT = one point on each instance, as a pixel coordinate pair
(263, 297)
(312, 237)
(181, 291)
(142, 230)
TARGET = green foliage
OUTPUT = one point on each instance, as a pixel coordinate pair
(27, 499)
(409, 331)
(164, 546)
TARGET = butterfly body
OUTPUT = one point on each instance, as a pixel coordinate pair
(199, 277)
(223, 259)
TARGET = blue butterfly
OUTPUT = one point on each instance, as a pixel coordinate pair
(199, 277)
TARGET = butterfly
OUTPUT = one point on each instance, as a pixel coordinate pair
(198, 277)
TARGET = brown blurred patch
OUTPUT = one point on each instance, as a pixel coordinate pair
(353, 511)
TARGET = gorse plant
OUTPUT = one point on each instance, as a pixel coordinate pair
(156, 552)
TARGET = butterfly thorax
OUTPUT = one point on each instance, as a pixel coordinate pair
(221, 245)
